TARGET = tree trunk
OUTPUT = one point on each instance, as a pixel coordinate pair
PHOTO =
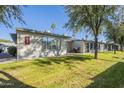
(96, 48)
(114, 49)
(114, 45)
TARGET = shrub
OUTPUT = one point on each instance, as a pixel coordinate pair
(1, 50)
(12, 51)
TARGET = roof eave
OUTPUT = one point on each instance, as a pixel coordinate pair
(43, 33)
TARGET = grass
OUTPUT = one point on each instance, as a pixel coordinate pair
(70, 71)
(5, 41)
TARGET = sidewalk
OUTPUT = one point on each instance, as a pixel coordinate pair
(7, 60)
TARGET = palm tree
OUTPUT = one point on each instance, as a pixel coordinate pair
(53, 26)
(10, 12)
(92, 18)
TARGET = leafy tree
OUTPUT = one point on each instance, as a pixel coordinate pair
(121, 37)
(53, 26)
(75, 29)
(93, 18)
(9, 13)
(112, 34)
(12, 51)
(1, 50)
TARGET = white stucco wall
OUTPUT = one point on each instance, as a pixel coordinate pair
(101, 48)
(83, 44)
(34, 49)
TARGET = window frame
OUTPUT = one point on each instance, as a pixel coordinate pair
(27, 40)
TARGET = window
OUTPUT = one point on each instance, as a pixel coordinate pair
(60, 44)
(27, 40)
(49, 43)
(99, 46)
(105, 46)
(44, 43)
(91, 46)
(54, 44)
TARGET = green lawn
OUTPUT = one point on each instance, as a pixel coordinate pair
(5, 41)
(70, 71)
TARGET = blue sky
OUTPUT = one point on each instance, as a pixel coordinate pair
(41, 18)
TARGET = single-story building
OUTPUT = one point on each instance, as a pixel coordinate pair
(85, 46)
(34, 44)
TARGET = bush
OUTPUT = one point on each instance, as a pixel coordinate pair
(1, 50)
(12, 51)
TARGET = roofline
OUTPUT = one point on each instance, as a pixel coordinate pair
(39, 32)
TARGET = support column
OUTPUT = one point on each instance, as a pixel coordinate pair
(111, 47)
(89, 47)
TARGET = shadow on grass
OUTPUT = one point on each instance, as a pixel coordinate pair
(113, 77)
(59, 60)
(14, 67)
(11, 82)
(108, 60)
(67, 60)
(115, 57)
